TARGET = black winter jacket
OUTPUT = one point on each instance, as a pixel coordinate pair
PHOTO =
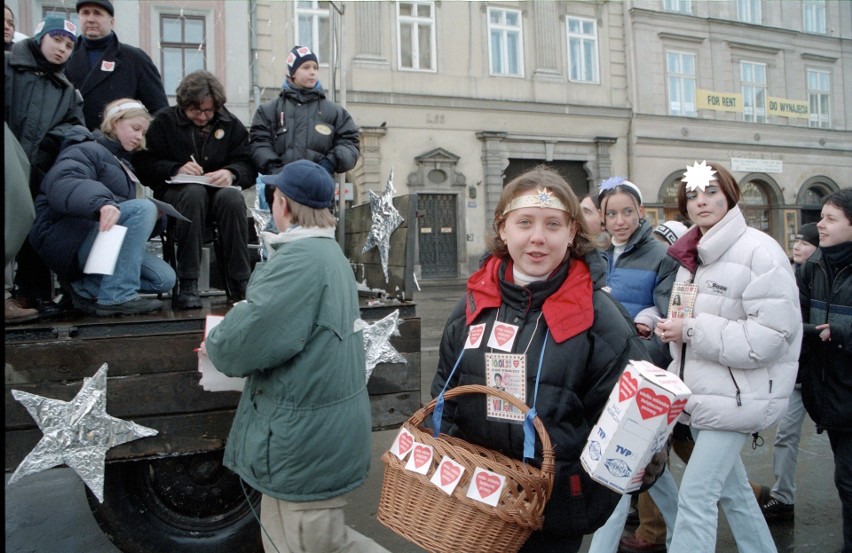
(825, 368)
(313, 128)
(40, 108)
(124, 71)
(591, 339)
(172, 138)
(85, 177)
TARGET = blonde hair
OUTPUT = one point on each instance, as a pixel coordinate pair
(123, 108)
(305, 216)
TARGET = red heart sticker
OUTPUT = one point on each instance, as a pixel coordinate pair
(486, 484)
(422, 454)
(516, 363)
(627, 386)
(475, 334)
(676, 410)
(405, 441)
(651, 404)
(449, 472)
(503, 333)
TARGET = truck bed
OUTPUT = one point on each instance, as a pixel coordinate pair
(153, 377)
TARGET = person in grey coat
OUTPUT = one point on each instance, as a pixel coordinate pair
(302, 124)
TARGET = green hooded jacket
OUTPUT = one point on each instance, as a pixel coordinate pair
(302, 429)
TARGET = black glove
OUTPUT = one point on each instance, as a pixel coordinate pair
(327, 165)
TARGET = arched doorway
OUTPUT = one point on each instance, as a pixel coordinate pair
(811, 195)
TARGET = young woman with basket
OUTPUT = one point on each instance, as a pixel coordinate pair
(537, 303)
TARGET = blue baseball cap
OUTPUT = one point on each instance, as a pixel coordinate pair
(304, 182)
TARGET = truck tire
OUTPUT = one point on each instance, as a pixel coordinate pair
(188, 503)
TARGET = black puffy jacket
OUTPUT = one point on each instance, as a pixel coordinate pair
(590, 341)
(825, 368)
(40, 108)
(302, 124)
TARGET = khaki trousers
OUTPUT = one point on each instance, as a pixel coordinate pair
(311, 527)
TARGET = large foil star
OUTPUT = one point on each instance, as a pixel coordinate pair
(77, 433)
(385, 220)
(377, 344)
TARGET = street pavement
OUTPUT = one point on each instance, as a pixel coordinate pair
(34, 524)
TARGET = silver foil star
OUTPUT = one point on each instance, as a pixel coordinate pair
(385, 220)
(77, 433)
(377, 344)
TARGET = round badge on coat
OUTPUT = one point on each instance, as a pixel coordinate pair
(323, 129)
(219, 134)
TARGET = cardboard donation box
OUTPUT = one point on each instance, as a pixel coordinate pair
(638, 419)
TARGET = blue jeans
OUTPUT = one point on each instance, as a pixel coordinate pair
(664, 494)
(715, 473)
(136, 269)
(785, 452)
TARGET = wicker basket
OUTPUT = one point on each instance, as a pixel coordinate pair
(419, 511)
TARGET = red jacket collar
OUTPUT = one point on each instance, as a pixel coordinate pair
(567, 312)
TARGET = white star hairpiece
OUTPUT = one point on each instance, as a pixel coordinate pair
(698, 176)
(542, 198)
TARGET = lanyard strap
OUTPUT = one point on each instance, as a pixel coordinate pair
(529, 429)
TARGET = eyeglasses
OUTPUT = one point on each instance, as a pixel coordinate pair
(195, 110)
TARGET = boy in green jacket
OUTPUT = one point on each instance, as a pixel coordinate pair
(301, 434)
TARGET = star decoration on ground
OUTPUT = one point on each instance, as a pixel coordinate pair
(698, 176)
(377, 344)
(77, 433)
(385, 220)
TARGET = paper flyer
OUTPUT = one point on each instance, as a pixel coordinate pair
(211, 379)
(105, 250)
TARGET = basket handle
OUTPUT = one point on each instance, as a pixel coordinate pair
(548, 457)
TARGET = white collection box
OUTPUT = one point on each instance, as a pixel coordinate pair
(638, 419)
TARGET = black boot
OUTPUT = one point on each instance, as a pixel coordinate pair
(188, 297)
(237, 289)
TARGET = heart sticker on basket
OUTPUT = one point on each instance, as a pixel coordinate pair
(486, 486)
(503, 336)
(652, 404)
(627, 386)
(420, 459)
(676, 409)
(402, 444)
(448, 475)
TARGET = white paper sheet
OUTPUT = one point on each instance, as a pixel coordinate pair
(211, 379)
(104, 253)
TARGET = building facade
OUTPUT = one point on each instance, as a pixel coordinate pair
(457, 97)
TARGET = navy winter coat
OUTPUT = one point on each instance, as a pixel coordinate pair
(85, 177)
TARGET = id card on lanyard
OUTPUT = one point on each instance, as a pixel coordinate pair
(508, 373)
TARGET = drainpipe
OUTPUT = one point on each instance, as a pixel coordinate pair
(255, 72)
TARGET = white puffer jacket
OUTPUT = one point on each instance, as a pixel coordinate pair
(742, 347)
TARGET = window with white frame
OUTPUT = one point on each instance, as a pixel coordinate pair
(753, 81)
(680, 72)
(313, 28)
(183, 47)
(748, 11)
(505, 42)
(819, 86)
(814, 16)
(65, 12)
(582, 50)
(416, 35)
(678, 6)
